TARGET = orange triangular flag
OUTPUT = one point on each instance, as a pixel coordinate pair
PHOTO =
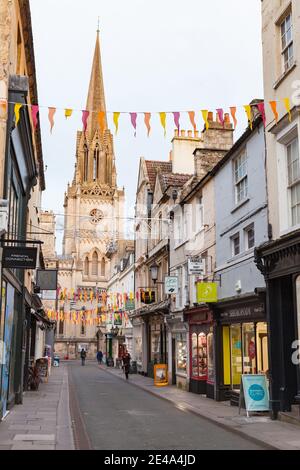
(233, 115)
(147, 122)
(101, 120)
(51, 113)
(192, 119)
(273, 105)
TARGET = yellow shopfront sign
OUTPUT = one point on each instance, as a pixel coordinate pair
(207, 292)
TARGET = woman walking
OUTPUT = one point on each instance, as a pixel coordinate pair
(126, 363)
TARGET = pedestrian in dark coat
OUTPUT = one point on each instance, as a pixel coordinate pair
(83, 356)
(99, 357)
(126, 363)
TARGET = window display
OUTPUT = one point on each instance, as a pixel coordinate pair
(155, 343)
(199, 355)
(181, 353)
(210, 358)
(236, 354)
(249, 349)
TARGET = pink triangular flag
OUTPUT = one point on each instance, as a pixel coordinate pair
(221, 116)
(176, 119)
(261, 109)
(85, 115)
(34, 111)
(133, 118)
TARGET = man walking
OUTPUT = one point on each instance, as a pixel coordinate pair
(126, 363)
(83, 356)
(99, 357)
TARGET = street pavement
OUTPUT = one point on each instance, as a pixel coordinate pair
(116, 415)
(43, 421)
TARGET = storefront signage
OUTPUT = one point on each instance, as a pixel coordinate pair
(46, 279)
(254, 391)
(129, 305)
(171, 285)
(195, 267)
(16, 257)
(245, 312)
(207, 292)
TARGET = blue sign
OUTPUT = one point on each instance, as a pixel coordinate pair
(256, 392)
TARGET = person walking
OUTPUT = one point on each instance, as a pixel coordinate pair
(126, 363)
(83, 356)
(99, 357)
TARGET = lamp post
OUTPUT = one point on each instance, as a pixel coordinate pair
(154, 272)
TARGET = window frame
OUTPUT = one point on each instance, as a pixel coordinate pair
(248, 229)
(293, 182)
(232, 240)
(289, 45)
(240, 179)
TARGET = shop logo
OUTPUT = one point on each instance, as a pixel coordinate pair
(296, 354)
(256, 392)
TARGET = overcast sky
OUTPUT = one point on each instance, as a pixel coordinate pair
(158, 55)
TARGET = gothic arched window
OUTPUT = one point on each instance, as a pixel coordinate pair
(85, 163)
(96, 164)
(95, 264)
(103, 267)
(86, 266)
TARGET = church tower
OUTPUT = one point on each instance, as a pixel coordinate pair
(93, 224)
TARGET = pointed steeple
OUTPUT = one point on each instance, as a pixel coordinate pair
(96, 97)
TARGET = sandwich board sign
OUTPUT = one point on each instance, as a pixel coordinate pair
(254, 394)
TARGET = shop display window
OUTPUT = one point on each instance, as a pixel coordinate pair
(181, 353)
(210, 358)
(249, 349)
(262, 348)
(199, 355)
(236, 354)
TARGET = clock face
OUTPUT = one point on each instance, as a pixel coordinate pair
(96, 215)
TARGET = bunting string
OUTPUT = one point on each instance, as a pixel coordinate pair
(222, 116)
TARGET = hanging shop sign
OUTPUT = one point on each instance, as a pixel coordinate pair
(46, 279)
(196, 267)
(171, 285)
(254, 393)
(207, 292)
(16, 257)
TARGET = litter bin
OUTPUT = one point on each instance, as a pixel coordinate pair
(56, 360)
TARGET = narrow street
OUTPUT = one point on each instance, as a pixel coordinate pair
(117, 415)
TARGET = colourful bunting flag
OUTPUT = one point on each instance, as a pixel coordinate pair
(51, 113)
(133, 118)
(17, 108)
(248, 110)
(68, 112)
(287, 105)
(34, 111)
(176, 119)
(261, 109)
(116, 121)
(233, 115)
(273, 105)
(192, 119)
(205, 118)
(101, 120)
(163, 118)
(85, 115)
(220, 113)
(147, 122)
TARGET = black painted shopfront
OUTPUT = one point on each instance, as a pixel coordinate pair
(279, 262)
(241, 342)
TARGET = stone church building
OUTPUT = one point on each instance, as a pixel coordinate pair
(93, 224)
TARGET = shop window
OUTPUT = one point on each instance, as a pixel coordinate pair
(236, 354)
(155, 343)
(181, 353)
(262, 348)
(199, 355)
(249, 349)
(210, 358)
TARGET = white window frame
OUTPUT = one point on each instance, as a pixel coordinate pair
(241, 160)
(246, 232)
(234, 237)
(287, 46)
(294, 182)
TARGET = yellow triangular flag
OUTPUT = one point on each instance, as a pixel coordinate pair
(205, 117)
(287, 105)
(116, 121)
(17, 108)
(68, 112)
(247, 108)
(163, 119)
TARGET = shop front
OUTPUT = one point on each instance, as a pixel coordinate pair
(279, 262)
(201, 351)
(242, 342)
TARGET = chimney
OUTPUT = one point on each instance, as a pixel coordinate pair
(210, 116)
(182, 133)
(196, 134)
(170, 156)
(176, 133)
(190, 133)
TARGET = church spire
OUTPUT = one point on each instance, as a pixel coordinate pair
(96, 98)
